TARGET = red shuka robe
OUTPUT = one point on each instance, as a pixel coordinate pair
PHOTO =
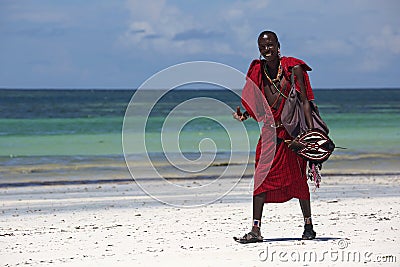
(279, 172)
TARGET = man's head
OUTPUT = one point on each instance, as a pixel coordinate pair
(268, 45)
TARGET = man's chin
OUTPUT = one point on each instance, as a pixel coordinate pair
(270, 58)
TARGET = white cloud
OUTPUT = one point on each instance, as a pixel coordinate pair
(325, 46)
(379, 49)
(240, 10)
(353, 38)
(163, 28)
(239, 19)
(386, 40)
(154, 25)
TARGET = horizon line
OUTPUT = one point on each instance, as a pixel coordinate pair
(126, 89)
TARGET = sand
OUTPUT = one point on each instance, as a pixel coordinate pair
(116, 224)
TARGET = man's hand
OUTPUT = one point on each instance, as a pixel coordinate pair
(238, 115)
(294, 145)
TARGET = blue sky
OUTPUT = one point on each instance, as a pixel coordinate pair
(121, 43)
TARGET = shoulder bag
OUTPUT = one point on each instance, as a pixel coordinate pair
(314, 144)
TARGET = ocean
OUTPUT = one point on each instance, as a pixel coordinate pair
(55, 127)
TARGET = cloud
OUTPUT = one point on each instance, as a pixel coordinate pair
(380, 48)
(386, 40)
(327, 46)
(196, 34)
(137, 31)
(348, 37)
(164, 28)
(152, 27)
(152, 36)
(240, 10)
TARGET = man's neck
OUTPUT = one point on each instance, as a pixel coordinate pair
(273, 66)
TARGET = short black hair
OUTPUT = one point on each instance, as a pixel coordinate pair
(271, 33)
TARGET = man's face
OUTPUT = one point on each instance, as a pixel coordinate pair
(268, 47)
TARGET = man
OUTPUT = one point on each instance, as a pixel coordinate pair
(279, 176)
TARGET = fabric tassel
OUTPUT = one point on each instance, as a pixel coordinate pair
(314, 174)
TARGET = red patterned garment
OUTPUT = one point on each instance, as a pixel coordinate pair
(279, 171)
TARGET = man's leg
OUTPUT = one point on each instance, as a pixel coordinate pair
(258, 205)
(309, 232)
(306, 209)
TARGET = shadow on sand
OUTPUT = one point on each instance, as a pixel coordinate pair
(289, 239)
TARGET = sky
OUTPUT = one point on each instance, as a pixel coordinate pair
(121, 43)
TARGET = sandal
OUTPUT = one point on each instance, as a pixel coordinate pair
(309, 232)
(250, 237)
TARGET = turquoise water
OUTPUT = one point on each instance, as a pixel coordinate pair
(89, 122)
(68, 135)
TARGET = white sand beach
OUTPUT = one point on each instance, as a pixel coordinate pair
(357, 220)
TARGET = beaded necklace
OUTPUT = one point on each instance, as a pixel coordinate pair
(277, 79)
